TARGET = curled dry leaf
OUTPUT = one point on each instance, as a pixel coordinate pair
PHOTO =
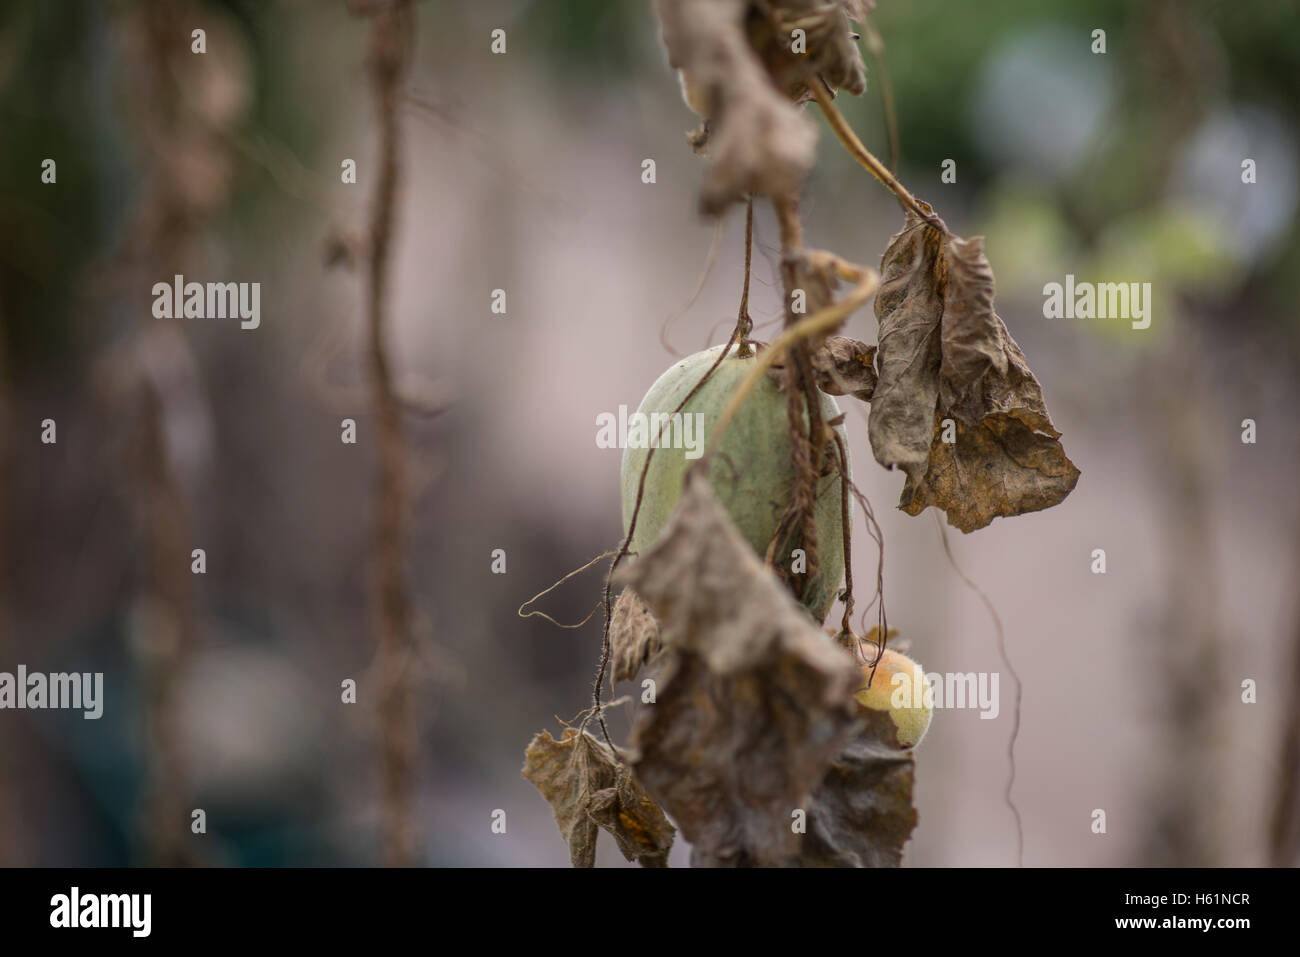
(744, 72)
(845, 366)
(758, 140)
(757, 149)
(589, 788)
(944, 353)
(861, 814)
(633, 635)
(828, 49)
(909, 304)
(753, 701)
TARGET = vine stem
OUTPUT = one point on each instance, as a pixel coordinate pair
(743, 321)
(391, 30)
(803, 410)
(856, 148)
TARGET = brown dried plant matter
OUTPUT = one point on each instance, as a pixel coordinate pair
(754, 705)
(389, 56)
(752, 702)
(861, 814)
(753, 718)
(184, 113)
(589, 788)
(945, 354)
(633, 634)
(845, 366)
(738, 69)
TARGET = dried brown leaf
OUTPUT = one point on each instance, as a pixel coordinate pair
(633, 635)
(753, 701)
(999, 468)
(758, 140)
(861, 814)
(845, 367)
(909, 305)
(759, 145)
(740, 70)
(983, 372)
(829, 51)
(589, 788)
(945, 353)
(858, 9)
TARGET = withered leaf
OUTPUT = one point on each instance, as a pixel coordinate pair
(845, 367)
(829, 50)
(638, 825)
(753, 701)
(998, 468)
(909, 304)
(633, 635)
(983, 372)
(758, 140)
(589, 788)
(944, 353)
(861, 814)
(740, 70)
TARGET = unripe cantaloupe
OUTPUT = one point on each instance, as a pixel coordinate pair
(752, 472)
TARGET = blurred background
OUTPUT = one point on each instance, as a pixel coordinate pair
(522, 172)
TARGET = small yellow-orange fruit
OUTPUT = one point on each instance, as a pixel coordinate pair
(899, 687)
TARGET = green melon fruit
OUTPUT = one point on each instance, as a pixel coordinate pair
(752, 473)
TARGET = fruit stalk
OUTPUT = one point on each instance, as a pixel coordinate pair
(849, 139)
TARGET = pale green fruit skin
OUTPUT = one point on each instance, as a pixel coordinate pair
(752, 473)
